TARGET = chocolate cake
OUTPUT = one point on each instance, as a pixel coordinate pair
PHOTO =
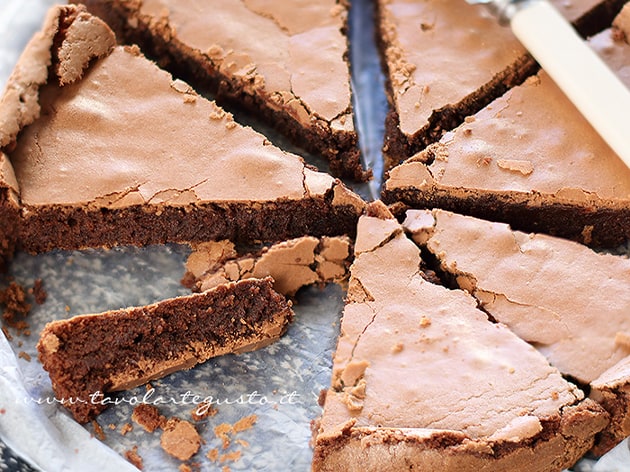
(547, 290)
(9, 210)
(529, 159)
(284, 61)
(423, 380)
(292, 264)
(88, 356)
(445, 60)
(120, 153)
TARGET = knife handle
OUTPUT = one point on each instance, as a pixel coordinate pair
(582, 75)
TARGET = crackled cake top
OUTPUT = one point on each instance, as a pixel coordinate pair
(531, 139)
(406, 342)
(141, 157)
(564, 298)
(299, 46)
(444, 50)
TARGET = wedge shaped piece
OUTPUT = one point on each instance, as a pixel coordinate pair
(111, 150)
(529, 159)
(284, 61)
(568, 301)
(423, 380)
(88, 356)
(445, 60)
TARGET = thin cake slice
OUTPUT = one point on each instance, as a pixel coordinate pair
(568, 301)
(446, 59)
(111, 150)
(423, 380)
(88, 356)
(284, 61)
(529, 159)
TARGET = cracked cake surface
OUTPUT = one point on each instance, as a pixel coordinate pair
(532, 283)
(529, 159)
(406, 342)
(445, 60)
(123, 139)
(290, 67)
(292, 264)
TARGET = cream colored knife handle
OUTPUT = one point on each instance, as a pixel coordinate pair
(582, 75)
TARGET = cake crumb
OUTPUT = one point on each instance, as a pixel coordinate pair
(226, 468)
(516, 165)
(16, 308)
(245, 423)
(242, 443)
(185, 468)
(555, 395)
(7, 334)
(397, 348)
(127, 427)
(230, 457)
(148, 416)
(98, 431)
(38, 292)
(133, 457)
(111, 426)
(24, 355)
(425, 321)
(203, 411)
(587, 234)
(180, 439)
(213, 454)
(222, 432)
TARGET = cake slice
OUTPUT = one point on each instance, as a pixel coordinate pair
(292, 264)
(446, 59)
(423, 380)
(284, 61)
(88, 356)
(568, 301)
(529, 159)
(112, 151)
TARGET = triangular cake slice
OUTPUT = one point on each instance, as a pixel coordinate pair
(568, 301)
(423, 380)
(111, 150)
(284, 61)
(529, 159)
(445, 59)
(88, 356)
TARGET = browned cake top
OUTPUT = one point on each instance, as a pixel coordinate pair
(530, 140)
(299, 48)
(413, 354)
